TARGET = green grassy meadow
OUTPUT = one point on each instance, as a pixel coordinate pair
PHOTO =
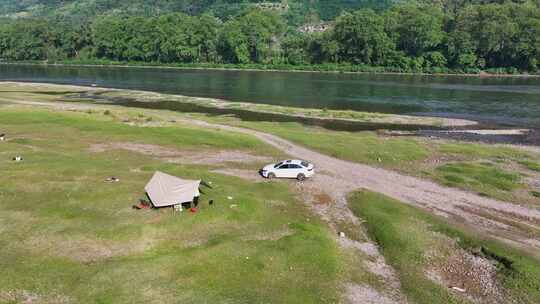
(414, 242)
(484, 178)
(475, 167)
(531, 165)
(66, 236)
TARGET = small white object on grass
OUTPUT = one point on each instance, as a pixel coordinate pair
(458, 289)
(229, 197)
(233, 206)
(18, 158)
(342, 234)
(178, 208)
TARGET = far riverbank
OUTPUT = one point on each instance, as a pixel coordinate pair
(327, 68)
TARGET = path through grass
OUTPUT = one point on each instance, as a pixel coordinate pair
(66, 235)
(501, 179)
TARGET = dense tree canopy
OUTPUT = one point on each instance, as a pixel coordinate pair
(251, 37)
(296, 12)
(434, 36)
(362, 38)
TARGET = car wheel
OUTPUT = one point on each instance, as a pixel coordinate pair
(300, 177)
(271, 175)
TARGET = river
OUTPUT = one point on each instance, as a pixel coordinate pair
(514, 100)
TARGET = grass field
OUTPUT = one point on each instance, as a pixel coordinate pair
(432, 256)
(479, 168)
(531, 165)
(363, 147)
(484, 178)
(66, 236)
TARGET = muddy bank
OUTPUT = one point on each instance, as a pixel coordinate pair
(522, 137)
(339, 120)
(472, 133)
(458, 127)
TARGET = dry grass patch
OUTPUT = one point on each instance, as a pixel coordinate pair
(473, 276)
(28, 297)
(201, 157)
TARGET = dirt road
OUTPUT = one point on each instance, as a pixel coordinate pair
(502, 220)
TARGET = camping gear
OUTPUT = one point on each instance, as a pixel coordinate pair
(166, 190)
(141, 207)
(18, 158)
(143, 204)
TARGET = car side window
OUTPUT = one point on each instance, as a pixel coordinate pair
(294, 167)
(284, 167)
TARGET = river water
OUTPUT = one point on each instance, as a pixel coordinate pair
(502, 100)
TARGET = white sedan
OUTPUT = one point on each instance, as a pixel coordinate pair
(298, 169)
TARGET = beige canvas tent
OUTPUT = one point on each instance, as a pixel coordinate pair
(167, 190)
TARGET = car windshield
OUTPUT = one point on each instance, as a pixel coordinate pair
(305, 164)
(278, 164)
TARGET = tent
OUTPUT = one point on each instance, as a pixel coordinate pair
(167, 190)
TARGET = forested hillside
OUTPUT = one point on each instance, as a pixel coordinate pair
(295, 10)
(442, 36)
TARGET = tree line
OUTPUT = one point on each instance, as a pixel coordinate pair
(297, 12)
(409, 37)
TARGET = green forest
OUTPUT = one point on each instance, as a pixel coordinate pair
(437, 36)
(297, 10)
